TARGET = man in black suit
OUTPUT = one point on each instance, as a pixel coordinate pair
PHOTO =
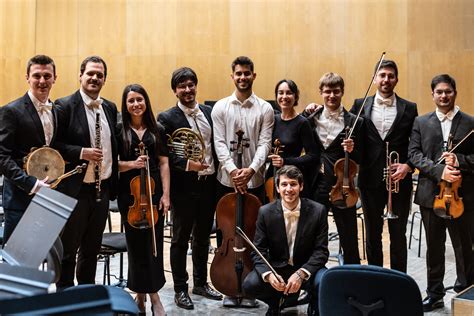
(193, 189)
(26, 123)
(292, 234)
(86, 124)
(430, 137)
(329, 124)
(387, 119)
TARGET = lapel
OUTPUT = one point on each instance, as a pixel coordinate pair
(436, 134)
(31, 110)
(206, 114)
(300, 229)
(368, 116)
(312, 122)
(80, 112)
(280, 221)
(455, 124)
(401, 105)
(181, 117)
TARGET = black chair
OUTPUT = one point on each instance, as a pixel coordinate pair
(415, 215)
(354, 290)
(113, 243)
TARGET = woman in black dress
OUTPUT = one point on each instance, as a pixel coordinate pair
(145, 272)
(295, 135)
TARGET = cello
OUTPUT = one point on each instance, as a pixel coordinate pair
(232, 261)
(142, 214)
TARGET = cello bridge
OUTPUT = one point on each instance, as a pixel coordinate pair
(239, 249)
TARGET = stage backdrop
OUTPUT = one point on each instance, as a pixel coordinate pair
(143, 41)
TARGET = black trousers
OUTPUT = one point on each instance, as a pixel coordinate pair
(82, 236)
(255, 287)
(459, 232)
(193, 213)
(374, 201)
(12, 218)
(346, 222)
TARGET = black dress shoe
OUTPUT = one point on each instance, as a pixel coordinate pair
(207, 292)
(273, 311)
(430, 303)
(183, 300)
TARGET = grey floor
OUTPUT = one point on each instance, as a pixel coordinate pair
(416, 269)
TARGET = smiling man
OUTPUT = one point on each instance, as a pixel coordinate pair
(299, 262)
(387, 119)
(86, 124)
(193, 190)
(26, 123)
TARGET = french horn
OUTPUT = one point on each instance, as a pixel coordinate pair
(186, 143)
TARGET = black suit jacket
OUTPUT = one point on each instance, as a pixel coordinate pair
(335, 151)
(20, 131)
(311, 243)
(173, 119)
(73, 135)
(426, 146)
(374, 151)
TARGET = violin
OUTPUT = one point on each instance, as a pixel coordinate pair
(270, 188)
(232, 261)
(143, 214)
(344, 193)
(448, 204)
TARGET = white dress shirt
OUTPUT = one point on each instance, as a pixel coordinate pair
(255, 117)
(446, 121)
(383, 113)
(329, 124)
(105, 137)
(202, 128)
(46, 116)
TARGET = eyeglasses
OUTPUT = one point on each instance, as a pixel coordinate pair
(447, 92)
(190, 86)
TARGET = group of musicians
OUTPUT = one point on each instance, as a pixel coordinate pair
(291, 231)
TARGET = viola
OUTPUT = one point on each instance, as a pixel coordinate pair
(142, 214)
(448, 204)
(270, 188)
(344, 193)
(232, 261)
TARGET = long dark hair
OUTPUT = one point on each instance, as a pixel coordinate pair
(148, 118)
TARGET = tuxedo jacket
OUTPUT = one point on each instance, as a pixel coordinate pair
(335, 151)
(311, 243)
(173, 119)
(73, 135)
(426, 147)
(374, 150)
(20, 131)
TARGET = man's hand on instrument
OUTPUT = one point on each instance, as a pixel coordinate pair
(294, 284)
(197, 166)
(242, 176)
(313, 107)
(348, 145)
(451, 174)
(400, 171)
(449, 159)
(276, 282)
(92, 154)
(277, 161)
(42, 184)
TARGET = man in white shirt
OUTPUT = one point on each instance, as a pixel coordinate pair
(25, 123)
(244, 111)
(298, 253)
(387, 119)
(432, 135)
(87, 124)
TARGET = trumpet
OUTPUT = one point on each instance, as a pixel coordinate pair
(186, 143)
(391, 186)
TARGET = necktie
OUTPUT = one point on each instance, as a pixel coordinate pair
(44, 110)
(193, 113)
(94, 104)
(292, 222)
(381, 101)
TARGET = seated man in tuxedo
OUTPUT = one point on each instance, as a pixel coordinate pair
(298, 253)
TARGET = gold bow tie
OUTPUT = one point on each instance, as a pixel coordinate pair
(291, 214)
(94, 104)
(387, 102)
(192, 112)
(44, 107)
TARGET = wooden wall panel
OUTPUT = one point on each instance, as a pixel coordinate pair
(143, 41)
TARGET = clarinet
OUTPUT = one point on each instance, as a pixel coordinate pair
(98, 165)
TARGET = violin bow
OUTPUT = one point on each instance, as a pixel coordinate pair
(366, 94)
(457, 145)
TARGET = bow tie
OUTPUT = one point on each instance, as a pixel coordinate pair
(381, 101)
(192, 112)
(44, 107)
(94, 104)
(291, 214)
(332, 115)
(443, 117)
